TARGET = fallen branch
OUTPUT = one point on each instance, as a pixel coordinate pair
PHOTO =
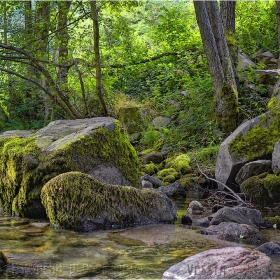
(239, 200)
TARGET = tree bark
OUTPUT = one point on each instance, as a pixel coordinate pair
(99, 87)
(227, 10)
(63, 38)
(220, 65)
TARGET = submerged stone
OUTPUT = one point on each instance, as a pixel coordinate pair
(77, 201)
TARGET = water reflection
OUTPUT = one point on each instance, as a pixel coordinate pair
(35, 250)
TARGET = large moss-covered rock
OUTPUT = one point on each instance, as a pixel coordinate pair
(78, 201)
(96, 146)
(251, 141)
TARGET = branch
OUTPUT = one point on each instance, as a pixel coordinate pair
(236, 196)
(82, 86)
(49, 93)
(48, 76)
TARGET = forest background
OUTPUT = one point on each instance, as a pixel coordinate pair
(76, 59)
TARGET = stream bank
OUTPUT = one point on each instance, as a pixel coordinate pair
(33, 249)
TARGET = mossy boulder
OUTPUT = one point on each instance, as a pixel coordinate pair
(188, 181)
(252, 140)
(151, 168)
(262, 189)
(134, 119)
(96, 146)
(181, 163)
(273, 221)
(168, 175)
(78, 201)
(251, 169)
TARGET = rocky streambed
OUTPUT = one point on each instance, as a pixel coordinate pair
(33, 249)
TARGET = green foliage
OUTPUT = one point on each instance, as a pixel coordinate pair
(256, 26)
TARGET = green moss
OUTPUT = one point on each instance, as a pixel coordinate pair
(272, 185)
(25, 168)
(14, 169)
(274, 221)
(188, 181)
(231, 39)
(168, 175)
(181, 163)
(105, 146)
(151, 168)
(258, 141)
(264, 188)
(134, 119)
(273, 103)
(74, 196)
(254, 189)
(227, 108)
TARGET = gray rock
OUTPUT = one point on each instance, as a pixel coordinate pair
(203, 222)
(251, 169)
(186, 220)
(233, 231)
(269, 248)
(96, 146)
(155, 181)
(276, 158)
(174, 190)
(146, 184)
(109, 174)
(269, 77)
(155, 157)
(226, 263)
(240, 215)
(244, 61)
(195, 208)
(230, 160)
(160, 122)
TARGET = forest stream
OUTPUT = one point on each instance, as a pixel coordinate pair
(33, 249)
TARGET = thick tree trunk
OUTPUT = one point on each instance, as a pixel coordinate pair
(99, 88)
(220, 65)
(277, 4)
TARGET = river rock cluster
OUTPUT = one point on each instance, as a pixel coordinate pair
(249, 159)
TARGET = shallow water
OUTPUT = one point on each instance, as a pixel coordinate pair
(35, 250)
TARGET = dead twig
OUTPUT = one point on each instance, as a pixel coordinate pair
(238, 199)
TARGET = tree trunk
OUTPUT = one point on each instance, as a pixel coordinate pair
(42, 27)
(277, 4)
(99, 88)
(63, 38)
(220, 65)
(227, 10)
